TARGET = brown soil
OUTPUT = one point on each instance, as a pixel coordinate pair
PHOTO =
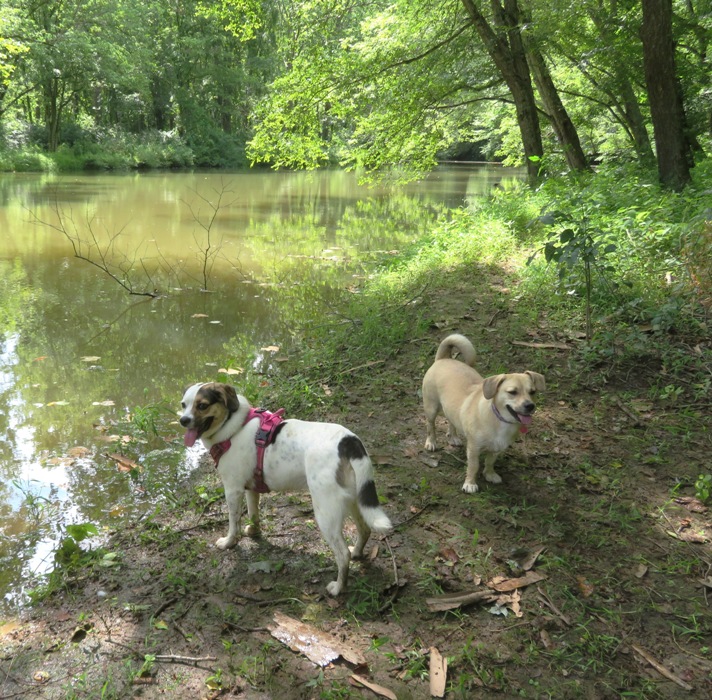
(597, 502)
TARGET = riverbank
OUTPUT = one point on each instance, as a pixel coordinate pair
(585, 574)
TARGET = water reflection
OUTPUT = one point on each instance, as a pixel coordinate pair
(79, 356)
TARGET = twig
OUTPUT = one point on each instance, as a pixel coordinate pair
(636, 419)
(396, 581)
(276, 601)
(660, 668)
(368, 364)
(172, 658)
(249, 630)
(163, 606)
(412, 517)
(545, 599)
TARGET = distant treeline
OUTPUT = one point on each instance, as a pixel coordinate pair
(379, 85)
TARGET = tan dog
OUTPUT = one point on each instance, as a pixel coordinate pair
(487, 413)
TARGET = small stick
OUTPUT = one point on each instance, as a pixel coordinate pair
(545, 599)
(660, 668)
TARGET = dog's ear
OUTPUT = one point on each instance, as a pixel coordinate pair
(491, 385)
(231, 400)
(537, 380)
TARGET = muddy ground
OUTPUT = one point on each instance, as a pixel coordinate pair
(585, 574)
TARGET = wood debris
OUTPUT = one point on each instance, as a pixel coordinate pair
(319, 647)
(438, 673)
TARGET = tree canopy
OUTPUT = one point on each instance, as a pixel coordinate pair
(376, 86)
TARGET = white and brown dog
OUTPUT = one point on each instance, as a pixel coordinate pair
(326, 459)
(487, 413)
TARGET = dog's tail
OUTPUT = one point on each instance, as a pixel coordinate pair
(353, 453)
(459, 343)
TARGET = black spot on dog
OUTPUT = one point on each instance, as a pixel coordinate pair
(350, 447)
(367, 496)
(277, 431)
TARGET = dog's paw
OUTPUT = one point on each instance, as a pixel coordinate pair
(454, 441)
(430, 445)
(333, 588)
(493, 477)
(225, 542)
(252, 530)
(467, 487)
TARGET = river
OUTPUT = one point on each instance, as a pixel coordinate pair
(117, 291)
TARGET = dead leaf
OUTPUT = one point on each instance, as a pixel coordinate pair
(270, 348)
(40, 358)
(319, 647)
(438, 673)
(450, 601)
(584, 586)
(503, 585)
(528, 562)
(199, 316)
(231, 370)
(124, 464)
(378, 689)
(640, 571)
(326, 389)
(692, 504)
(78, 451)
(108, 402)
(90, 358)
(60, 461)
(449, 555)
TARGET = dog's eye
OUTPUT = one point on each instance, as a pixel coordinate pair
(182, 404)
(202, 406)
(512, 392)
(532, 392)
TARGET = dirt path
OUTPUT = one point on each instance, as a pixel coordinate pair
(585, 574)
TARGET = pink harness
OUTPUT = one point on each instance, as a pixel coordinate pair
(263, 437)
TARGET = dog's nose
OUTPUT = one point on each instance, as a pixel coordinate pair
(529, 407)
(185, 421)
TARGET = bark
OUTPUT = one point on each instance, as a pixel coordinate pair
(506, 49)
(666, 108)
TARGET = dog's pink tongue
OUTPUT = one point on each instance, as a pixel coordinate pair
(190, 437)
(525, 420)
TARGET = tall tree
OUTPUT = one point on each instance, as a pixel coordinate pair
(504, 45)
(666, 108)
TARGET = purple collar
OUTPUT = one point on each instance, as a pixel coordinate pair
(522, 428)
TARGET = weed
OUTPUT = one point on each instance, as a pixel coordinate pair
(703, 487)
(364, 599)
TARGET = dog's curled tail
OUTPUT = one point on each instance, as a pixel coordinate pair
(461, 344)
(353, 452)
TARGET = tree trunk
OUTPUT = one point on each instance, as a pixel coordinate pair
(563, 126)
(634, 121)
(51, 113)
(666, 109)
(507, 51)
